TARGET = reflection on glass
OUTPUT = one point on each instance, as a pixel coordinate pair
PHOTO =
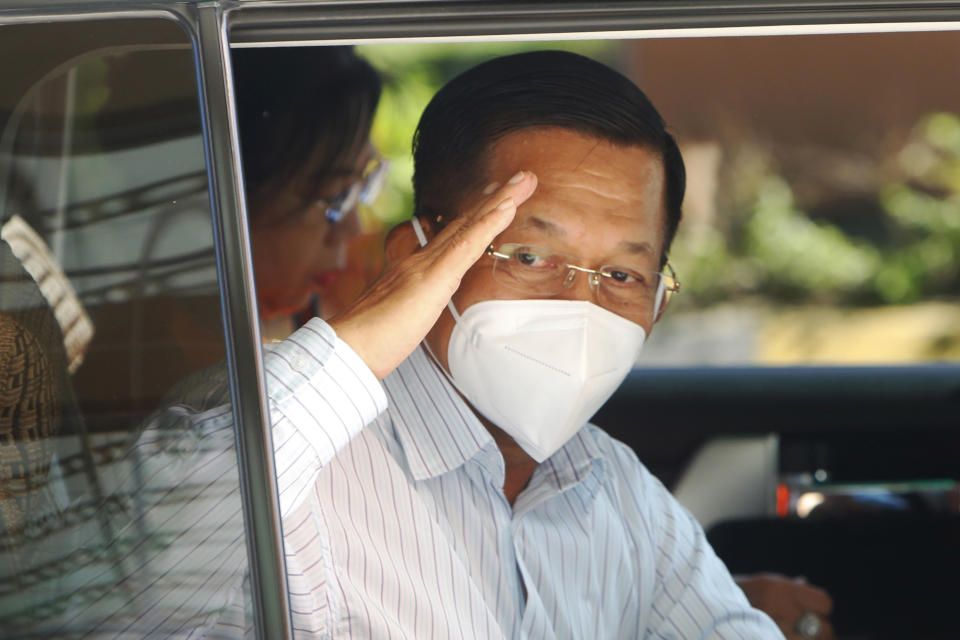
(304, 116)
(115, 517)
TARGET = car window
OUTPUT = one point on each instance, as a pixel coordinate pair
(816, 257)
(836, 360)
(820, 216)
(803, 382)
(109, 303)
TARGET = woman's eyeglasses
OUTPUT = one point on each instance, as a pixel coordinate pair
(364, 190)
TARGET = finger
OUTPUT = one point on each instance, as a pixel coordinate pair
(810, 598)
(469, 243)
(826, 631)
(789, 630)
(519, 187)
(464, 241)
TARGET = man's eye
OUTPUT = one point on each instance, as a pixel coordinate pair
(627, 278)
(529, 259)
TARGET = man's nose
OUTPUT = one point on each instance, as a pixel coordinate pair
(577, 289)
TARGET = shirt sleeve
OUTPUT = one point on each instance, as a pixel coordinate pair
(694, 595)
(321, 396)
(159, 547)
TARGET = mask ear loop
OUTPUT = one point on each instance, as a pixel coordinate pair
(661, 295)
(422, 239)
(418, 230)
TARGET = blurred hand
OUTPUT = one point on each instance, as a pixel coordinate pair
(388, 321)
(786, 599)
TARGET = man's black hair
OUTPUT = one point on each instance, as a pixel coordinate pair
(301, 109)
(536, 89)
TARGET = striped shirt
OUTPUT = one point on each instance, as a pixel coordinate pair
(396, 525)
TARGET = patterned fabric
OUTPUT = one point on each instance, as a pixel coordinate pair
(29, 417)
(34, 254)
(41, 429)
(395, 523)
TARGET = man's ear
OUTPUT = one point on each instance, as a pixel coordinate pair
(401, 242)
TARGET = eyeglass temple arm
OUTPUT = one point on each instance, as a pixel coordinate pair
(673, 276)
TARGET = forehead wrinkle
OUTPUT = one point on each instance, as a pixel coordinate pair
(592, 190)
(592, 182)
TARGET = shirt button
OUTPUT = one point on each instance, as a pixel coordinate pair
(299, 364)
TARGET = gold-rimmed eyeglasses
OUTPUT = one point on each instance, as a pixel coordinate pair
(625, 290)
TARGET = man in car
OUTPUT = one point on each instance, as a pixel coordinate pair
(437, 476)
(463, 496)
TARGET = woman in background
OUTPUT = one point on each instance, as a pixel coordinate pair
(304, 117)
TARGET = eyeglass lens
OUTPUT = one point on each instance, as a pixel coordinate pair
(365, 190)
(539, 271)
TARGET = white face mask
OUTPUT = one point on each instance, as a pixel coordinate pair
(539, 369)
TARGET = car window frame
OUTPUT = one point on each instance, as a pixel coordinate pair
(204, 27)
(258, 23)
(214, 26)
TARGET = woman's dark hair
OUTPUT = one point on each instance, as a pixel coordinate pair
(536, 89)
(304, 113)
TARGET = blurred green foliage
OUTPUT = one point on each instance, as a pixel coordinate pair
(925, 208)
(764, 245)
(797, 254)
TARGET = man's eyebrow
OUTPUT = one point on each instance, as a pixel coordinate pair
(548, 227)
(637, 247)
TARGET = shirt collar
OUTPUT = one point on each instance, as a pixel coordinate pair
(436, 428)
(578, 466)
(576, 460)
(439, 431)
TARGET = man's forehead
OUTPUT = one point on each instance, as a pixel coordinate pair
(579, 165)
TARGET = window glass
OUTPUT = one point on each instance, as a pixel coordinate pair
(804, 378)
(117, 515)
(821, 214)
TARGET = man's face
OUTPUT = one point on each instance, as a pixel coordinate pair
(596, 201)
